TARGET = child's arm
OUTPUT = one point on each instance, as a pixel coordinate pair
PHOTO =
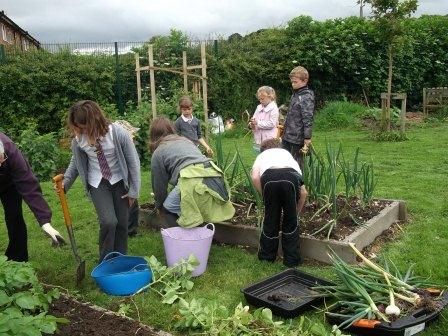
(307, 105)
(207, 147)
(302, 199)
(256, 178)
(271, 123)
(202, 141)
(177, 126)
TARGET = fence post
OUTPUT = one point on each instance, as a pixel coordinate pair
(2, 54)
(118, 93)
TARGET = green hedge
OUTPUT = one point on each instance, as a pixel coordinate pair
(40, 87)
(345, 57)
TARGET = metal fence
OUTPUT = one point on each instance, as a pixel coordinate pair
(114, 48)
(97, 48)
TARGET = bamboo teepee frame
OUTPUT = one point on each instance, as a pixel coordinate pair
(182, 71)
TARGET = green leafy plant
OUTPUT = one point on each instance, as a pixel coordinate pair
(23, 302)
(391, 136)
(171, 282)
(338, 114)
(211, 318)
(41, 151)
(124, 309)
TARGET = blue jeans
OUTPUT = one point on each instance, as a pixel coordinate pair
(172, 201)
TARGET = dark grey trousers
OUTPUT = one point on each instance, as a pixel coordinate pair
(17, 249)
(113, 213)
(295, 151)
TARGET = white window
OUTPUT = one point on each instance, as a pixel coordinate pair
(25, 44)
(3, 32)
(7, 34)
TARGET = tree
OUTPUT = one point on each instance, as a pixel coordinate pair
(389, 16)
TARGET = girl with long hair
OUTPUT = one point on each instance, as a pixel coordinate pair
(105, 158)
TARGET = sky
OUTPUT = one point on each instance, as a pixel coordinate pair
(56, 21)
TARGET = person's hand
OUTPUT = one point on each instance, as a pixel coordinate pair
(130, 199)
(253, 122)
(58, 190)
(306, 146)
(209, 151)
(55, 236)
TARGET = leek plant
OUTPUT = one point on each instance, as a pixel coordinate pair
(332, 177)
(253, 192)
(350, 172)
(372, 292)
(367, 182)
(321, 175)
(239, 179)
(313, 171)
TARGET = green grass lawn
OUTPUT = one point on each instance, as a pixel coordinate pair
(414, 170)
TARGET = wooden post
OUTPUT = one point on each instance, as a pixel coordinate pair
(424, 102)
(139, 84)
(184, 70)
(204, 81)
(403, 113)
(152, 81)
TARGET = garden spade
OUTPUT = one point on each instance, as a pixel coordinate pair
(81, 270)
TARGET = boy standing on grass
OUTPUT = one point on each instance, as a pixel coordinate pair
(299, 121)
(278, 178)
(189, 126)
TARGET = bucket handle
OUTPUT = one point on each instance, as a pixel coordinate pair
(164, 231)
(207, 226)
(147, 285)
(213, 227)
(139, 268)
(111, 255)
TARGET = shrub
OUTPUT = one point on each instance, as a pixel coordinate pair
(392, 136)
(338, 114)
(64, 159)
(440, 115)
(41, 151)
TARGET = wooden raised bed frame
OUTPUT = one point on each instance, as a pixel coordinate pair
(310, 247)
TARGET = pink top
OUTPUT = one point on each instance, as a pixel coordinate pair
(267, 122)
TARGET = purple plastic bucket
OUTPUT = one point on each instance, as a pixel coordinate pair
(180, 242)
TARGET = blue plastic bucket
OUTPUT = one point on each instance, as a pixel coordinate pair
(122, 275)
(180, 242)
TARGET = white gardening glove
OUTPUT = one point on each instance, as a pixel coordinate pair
(55, 236)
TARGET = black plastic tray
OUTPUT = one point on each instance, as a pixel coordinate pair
(287, 294)
(405, 326)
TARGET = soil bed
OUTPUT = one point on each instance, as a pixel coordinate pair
(87, 320)
(351, 214)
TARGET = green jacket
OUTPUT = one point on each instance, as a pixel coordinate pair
(199, 203)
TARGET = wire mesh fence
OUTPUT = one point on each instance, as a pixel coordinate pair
(97, 48)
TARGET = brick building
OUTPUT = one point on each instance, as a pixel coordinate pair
(11, 35)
